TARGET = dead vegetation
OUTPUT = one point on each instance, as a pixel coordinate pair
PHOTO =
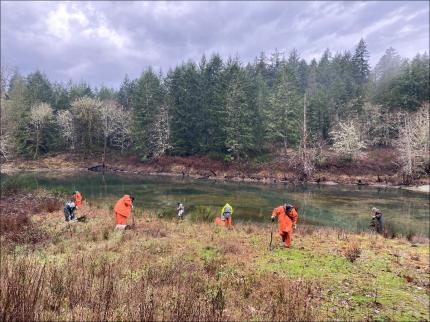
(93, 289)
(166, 269)
(352, 252)
(16, 210)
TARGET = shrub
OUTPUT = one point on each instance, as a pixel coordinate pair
(352, 252)
(201, 213)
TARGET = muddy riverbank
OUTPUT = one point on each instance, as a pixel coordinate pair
(373, 169)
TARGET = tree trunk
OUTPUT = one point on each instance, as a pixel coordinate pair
(37, 143)
(305, 156)
(286, 129)
(104, 152)
(304, 124)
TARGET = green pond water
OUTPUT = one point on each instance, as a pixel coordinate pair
(346, 207)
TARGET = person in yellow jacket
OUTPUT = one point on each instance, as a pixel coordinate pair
(226, 213)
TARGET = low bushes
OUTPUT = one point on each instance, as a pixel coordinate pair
(16, 209)
(96, 288)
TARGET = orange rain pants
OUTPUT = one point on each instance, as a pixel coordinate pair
(227, 222)
(285, 223)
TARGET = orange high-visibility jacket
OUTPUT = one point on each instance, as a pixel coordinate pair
(285, 223)
(123, 206)
(78, 198)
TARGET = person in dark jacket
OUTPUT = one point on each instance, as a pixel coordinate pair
(377, 221)
(69, 211)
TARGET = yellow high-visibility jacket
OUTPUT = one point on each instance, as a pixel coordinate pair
(223, 209)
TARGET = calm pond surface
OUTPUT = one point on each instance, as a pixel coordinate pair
(339, 206)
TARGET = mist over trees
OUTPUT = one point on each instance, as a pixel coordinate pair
(227, 109)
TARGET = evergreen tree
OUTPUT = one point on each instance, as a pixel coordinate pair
(60, 97)
(184, 101)
(322, 96)
(360, 60)
(411, 87)
(388, 67)
(106, 94)
(284, 112)
(261, 66)
(240, 140)
(260, 124)
(302, 76)
(39, 90)
(37, 132)
(211, 111)
(314, 111)
(361, 72)
(16, 105)
(80, 90)
(147, 100)
(126, 93)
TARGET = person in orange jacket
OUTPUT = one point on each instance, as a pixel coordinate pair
(78, 199)
(123, 210)
(287, 219)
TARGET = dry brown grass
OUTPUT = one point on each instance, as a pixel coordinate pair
(16, 210)
(94, 288)
(179, 270)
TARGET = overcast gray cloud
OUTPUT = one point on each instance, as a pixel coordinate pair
(100, 42)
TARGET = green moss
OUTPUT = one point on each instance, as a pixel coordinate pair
(208, 253)
(361, 299)
(296, 263)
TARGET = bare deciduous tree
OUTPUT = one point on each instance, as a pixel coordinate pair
(347, 139)
(5, 146)
(121, 137)
(6, 73)
(115, 124)
(413, 143)
(160, 132)
(86, 113)
(66, 124)
(40, 116)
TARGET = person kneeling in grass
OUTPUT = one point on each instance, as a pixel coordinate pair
(69, 211)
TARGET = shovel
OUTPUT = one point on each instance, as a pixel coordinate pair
(271, 236)
(133, 225)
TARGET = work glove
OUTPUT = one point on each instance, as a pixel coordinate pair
(273, 219)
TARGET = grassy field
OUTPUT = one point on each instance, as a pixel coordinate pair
(166, 269)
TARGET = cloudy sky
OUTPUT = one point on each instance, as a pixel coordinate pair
(100, 42)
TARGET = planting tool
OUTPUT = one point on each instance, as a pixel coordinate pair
(133, 225)
(271, 236)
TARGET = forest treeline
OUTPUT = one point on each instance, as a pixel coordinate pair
(230, 110)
